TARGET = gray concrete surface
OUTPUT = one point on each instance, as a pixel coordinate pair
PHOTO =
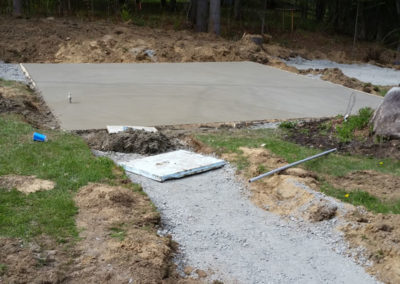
(219, 230)
(178, 93)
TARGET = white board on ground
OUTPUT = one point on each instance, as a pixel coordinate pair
(172, 165)
(120, 128)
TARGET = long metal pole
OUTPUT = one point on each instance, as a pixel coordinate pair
(291, 165)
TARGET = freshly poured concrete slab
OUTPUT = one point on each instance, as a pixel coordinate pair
(154, 94)
(119, 128)
(172, 165)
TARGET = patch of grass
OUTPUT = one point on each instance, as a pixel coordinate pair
(288, 124)
(3, 269)
(345, 132)
(363, 198)
(64, 159)
(118, 233)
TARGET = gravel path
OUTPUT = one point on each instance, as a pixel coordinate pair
(12, 72)
(220, 230)
(364, 72)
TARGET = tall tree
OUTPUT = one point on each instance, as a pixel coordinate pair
(17, 7)
(237, 9)
(215, 17)
(201, 15)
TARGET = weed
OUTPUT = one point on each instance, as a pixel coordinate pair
(261, 169)
(125, 14)
(288, 124)
(3, 269)
(345, 132)
(118, 233)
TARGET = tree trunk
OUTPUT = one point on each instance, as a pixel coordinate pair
(17, 8)
(201, 15)
(237, 9)
(163, 3)
(172, 4)
(192, 12)
(215, 17)
(320, 8)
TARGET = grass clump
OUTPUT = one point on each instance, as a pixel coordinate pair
(363, 198)
(118, 233)
(288, 124)
(65, 159)
(345, 132)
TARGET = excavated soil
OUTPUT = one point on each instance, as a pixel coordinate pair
(130, 141)
(40, 261)
(20, 99)
(313, 134)
(380, 235)
(119, 241)
(71, 40)
(25, 184)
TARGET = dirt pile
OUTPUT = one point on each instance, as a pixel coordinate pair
(72, 40)
(119, 241)
(380, 236)
(25, 184)
(130, 141)
(288, 193)
(18, 98)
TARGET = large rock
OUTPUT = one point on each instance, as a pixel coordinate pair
(386, 118)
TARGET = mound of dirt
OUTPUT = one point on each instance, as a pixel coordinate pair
(130, 141)
(380, 236)
(18, 98)
(25, 184)
(119, 241)
(283, 194)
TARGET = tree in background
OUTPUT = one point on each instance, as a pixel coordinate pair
(17, 7)
(215, 17)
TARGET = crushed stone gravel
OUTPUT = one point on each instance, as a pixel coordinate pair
(12, 72)
(220, 231)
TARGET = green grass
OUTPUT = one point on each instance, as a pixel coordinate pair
(118, 233)
(345, 132)
(3, 269)
(64, 159)
(363, 198)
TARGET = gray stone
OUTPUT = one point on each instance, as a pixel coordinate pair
(386, 118)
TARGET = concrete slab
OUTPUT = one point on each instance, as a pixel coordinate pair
(178, 93)
(172, 165)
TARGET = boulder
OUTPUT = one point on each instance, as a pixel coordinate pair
(386, 119)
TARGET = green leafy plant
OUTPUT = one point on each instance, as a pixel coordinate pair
(345, 132)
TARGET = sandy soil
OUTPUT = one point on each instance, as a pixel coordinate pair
(25, 184)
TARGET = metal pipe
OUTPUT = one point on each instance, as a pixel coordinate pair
(291, 165)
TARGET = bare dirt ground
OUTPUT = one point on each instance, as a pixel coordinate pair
(71, 40)
(25, 184)
(320, 133)
(20, 99)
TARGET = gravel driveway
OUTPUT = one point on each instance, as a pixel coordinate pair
(220, 231)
